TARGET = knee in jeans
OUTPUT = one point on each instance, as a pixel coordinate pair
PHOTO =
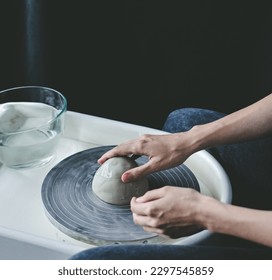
(185, 118)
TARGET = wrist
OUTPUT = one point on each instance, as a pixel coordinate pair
(197, 138)
(205, 136)
(213, 214)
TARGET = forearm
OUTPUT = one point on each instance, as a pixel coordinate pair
(250, 224)
(246, 124)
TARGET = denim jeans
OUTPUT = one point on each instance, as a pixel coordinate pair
(172, 252)
(249, 167)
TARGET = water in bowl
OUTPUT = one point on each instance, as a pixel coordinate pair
(20, 144)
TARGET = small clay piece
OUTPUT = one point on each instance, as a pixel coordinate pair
(109, 187)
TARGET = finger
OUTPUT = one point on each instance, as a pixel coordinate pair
(138, 172)
(109, 154)
(154, 230)
(135, 173)
(151, 195)
(141, 209)
(146, 221)
(124, 149)
(146, 205)
(137, 209)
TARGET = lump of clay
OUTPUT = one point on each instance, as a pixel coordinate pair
(109, 187)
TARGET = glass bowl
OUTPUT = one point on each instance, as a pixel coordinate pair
(31, 124)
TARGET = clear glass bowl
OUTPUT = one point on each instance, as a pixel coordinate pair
(31, 124)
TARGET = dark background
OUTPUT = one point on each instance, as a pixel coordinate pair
(137, 60)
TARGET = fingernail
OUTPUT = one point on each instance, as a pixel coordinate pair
(125, 178)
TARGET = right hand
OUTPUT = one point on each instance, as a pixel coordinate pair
(164, 151)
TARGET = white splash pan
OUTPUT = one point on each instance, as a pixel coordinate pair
(26, 232)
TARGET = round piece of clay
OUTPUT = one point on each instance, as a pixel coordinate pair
(109, 187)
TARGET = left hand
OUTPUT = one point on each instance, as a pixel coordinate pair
(168, 211)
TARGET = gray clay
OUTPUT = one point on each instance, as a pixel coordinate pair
(108, 186)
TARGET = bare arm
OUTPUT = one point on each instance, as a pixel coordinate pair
(165, 151)
(249, 123)
(250, 224)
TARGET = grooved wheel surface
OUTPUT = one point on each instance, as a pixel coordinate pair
(73, 208)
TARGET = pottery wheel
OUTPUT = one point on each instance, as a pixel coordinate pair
(74, 209)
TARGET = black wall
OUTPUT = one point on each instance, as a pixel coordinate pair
(137, 60)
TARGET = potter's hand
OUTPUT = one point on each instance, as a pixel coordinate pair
(164, 151)
(168, 211)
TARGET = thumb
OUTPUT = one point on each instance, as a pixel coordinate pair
(135, 173)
